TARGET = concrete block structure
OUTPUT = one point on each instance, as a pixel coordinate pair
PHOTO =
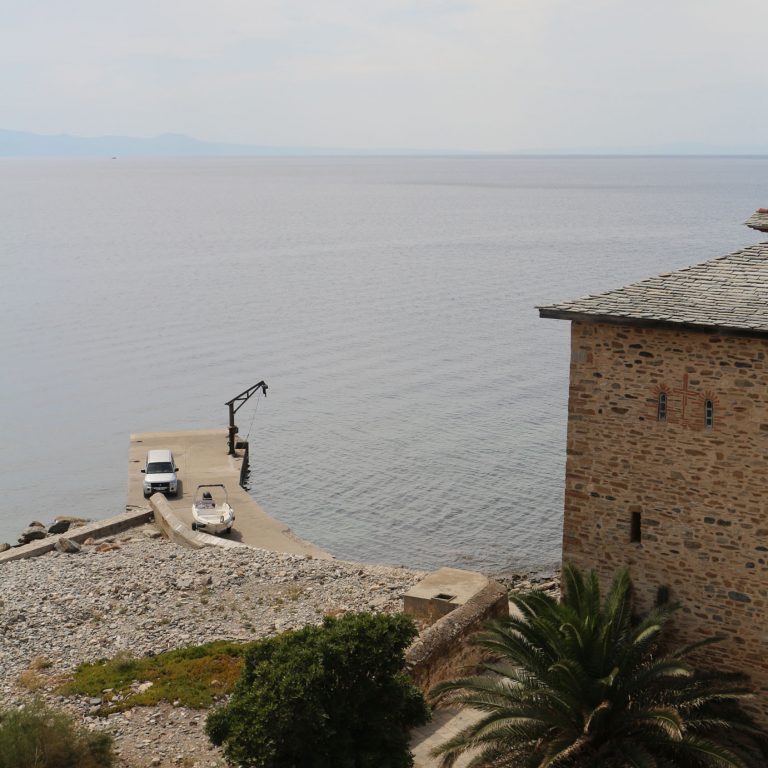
(441, 592)
(667, 448)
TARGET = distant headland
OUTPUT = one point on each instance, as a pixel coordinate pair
(26, 144)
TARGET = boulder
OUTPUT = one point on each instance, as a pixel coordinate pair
(4, 547)
(59, 526)
(74, 522)
(67, 546)
(107, 547)
(32, 533)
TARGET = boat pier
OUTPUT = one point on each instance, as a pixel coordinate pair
(202, 457)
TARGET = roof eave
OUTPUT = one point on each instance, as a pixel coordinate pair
(588, 317)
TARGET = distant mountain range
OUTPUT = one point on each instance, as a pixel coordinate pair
(23, 144)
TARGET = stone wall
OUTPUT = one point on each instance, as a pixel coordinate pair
(442, 651)
(699, 494)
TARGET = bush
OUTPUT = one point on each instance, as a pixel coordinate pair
(38, 737)
(333, 696)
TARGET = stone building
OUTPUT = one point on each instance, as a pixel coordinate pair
(667, 452)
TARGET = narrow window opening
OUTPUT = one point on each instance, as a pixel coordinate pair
(662, 596)
(662, 412)
(635, 532)
(709, 414)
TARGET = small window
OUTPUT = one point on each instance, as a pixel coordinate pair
(662, 412)
(709, 414)
(635, 532)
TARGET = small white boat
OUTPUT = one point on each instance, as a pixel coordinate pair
(211, 510)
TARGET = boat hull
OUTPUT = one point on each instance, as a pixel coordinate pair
(219, 522)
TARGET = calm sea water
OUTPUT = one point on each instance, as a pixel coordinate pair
(417, 405)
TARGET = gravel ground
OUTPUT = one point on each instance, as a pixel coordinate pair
(137, 594)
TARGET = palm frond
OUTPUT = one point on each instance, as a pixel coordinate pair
(711, 754)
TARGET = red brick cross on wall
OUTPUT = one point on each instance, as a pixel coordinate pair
(685, 395)
(686, 406)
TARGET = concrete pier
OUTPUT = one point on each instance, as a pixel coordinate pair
(201, 456)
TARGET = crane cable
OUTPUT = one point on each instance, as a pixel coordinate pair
(255, 411)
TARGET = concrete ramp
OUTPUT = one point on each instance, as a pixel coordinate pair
(201, 456)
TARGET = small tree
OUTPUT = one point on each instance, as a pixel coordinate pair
(330, 696)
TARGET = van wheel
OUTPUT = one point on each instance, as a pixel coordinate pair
(194, 526)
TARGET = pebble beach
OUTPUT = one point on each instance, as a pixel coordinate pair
(138, 594)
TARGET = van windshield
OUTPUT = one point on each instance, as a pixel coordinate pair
(159, 468)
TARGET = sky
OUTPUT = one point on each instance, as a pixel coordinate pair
(434, 75)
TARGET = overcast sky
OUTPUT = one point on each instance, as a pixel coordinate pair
(486, 75)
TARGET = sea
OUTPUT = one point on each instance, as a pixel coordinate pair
(417, 404)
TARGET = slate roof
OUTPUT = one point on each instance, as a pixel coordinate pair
(758, 220)
(728, 293)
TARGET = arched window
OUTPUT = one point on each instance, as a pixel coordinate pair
(709, 414)
(662, 410)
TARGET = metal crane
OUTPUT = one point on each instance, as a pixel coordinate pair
(241, 399)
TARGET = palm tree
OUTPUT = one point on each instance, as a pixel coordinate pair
(581, 684)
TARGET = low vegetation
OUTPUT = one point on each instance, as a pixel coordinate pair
(193, 676)
(34, 678)
(329, 696)
(36, 736)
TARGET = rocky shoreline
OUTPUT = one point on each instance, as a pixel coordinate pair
(138, 594)
(37, 530)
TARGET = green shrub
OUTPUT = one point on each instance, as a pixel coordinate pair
(39, 737)
(333, 696)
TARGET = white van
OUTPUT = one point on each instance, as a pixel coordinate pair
(160, 473)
